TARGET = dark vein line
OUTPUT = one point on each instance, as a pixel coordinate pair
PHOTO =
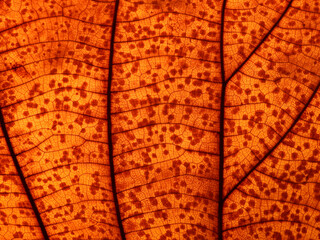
(97, 200)
(277, 144)
(47, 19)
(175, 209)
(198, 226)
(165, 55)
(50, 42)
(163, 104)
(110, 143)
(23, 181)
(56, 59)
(261, 42)
(166, 36)
(61, 167)
(221, 135)
(68, 187)
(157, 144)
(272, 221)
(167, 12)
(164, 180)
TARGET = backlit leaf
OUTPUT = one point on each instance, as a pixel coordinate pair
(159, 119)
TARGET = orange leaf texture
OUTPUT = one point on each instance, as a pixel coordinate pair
(159, 119)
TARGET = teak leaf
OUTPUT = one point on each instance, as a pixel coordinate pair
(159, 119)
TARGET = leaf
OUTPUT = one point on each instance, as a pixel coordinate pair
(159, 119)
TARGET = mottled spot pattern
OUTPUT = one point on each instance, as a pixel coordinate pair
(165, 104)
(247, 22)
(53, 81)
(272, 128)
(166, 108)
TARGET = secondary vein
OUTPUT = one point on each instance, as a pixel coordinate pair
(109, 119)
(22, 178)
(221, 135)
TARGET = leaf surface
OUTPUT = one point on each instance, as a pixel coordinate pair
(159, 119)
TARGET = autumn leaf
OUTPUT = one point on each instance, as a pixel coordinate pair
(159, 119)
